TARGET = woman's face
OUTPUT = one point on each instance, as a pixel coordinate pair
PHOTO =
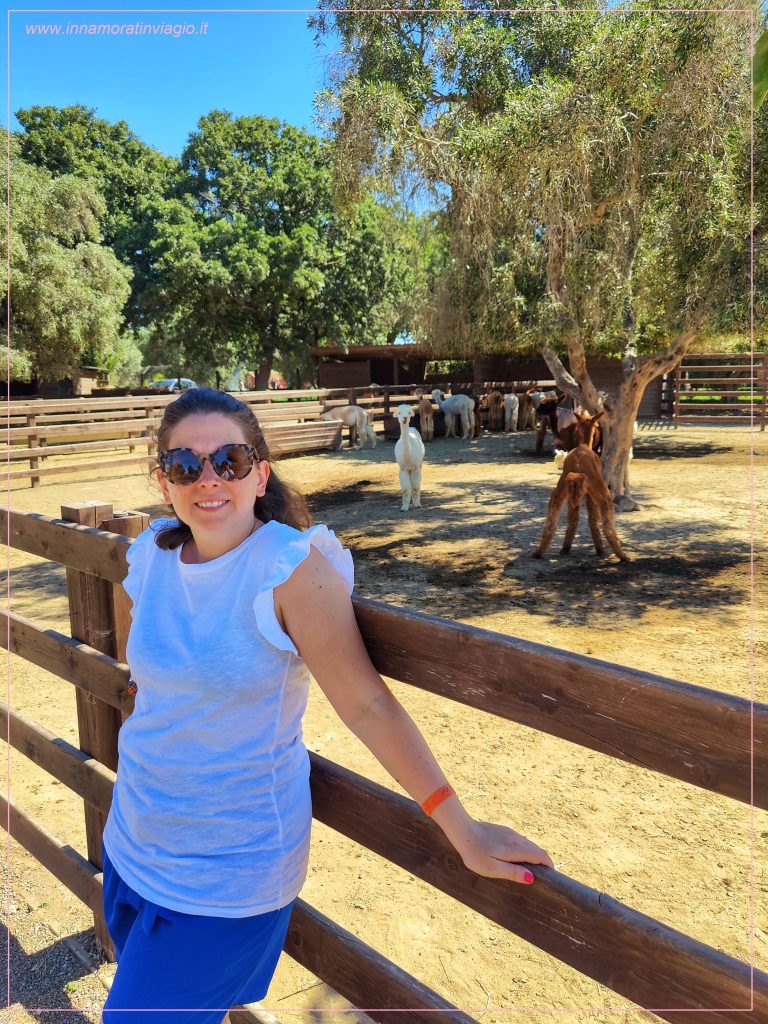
(212, 506)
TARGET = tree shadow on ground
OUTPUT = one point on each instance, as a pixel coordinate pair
(39, 980)
(453, 562)
(650, 448)
(491, 447)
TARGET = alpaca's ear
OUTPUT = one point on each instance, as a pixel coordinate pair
(596, 418)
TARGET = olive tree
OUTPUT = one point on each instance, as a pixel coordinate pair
(591, 167)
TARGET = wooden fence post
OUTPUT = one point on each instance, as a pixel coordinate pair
(91, 616)
(150, 412)
(129, 524)
(32, 442)
(676, 395)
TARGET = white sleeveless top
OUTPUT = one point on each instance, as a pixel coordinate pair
(211, 809)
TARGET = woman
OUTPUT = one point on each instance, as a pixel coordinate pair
(235, 602)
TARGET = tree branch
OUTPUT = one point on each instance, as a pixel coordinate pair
(584, 393)
(650, 367)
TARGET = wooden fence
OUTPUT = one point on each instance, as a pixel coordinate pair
(721, 388)
(708, 739)
(41, 430)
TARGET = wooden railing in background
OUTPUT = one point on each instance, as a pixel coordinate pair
(684, 731)
(722, 388)
(40, 430)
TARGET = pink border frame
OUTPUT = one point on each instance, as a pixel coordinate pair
(752, 617)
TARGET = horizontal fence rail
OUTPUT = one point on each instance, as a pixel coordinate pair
(618, 711)
(717, 743)
(289, 428)
(706, 389)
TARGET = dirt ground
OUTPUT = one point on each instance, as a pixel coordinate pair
(690, 606)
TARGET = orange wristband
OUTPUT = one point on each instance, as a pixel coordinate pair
(437, 798)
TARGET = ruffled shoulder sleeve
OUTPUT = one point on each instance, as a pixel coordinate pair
(138, 555)
(292, 547)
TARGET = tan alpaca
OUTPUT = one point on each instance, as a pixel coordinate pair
(426, 418)
(582, 476)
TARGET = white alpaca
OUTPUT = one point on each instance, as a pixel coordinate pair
(409, 452)
(455, 407)
(511, 408)
(353, 416)
(559, 459)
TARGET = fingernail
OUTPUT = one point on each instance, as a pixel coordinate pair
(528, 878)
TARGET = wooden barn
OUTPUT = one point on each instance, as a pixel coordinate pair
(391, 365)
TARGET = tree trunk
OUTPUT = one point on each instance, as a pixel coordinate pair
(618, 429)
(263, 372)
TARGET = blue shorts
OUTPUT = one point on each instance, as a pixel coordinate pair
(199, 966)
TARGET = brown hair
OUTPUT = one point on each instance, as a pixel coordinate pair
(280, 501)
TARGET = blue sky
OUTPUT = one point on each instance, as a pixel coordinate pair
(160, 83)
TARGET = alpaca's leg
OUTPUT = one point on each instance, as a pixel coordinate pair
(574, 508)
(405, 489)
(416, 487)
(556, 502)
(465, 431)
(609, 526)
(594, 525)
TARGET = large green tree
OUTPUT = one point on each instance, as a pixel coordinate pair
(67, 289)
(129, 174)
(248, 257)
(591, 166)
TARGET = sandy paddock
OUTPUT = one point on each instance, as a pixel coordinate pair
(682, 608)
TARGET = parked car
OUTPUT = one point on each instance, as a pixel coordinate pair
(172, 384)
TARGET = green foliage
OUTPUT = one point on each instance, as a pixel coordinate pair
(761, 70)
(20, 366)
(591, 165)
(67, 289)
(249, 258)
(128, 174)
(237, 250)
(125, 361)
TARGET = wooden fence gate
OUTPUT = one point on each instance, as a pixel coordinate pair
(723, 388)
(707, 739)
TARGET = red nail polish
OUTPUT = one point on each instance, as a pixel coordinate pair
(528, 878)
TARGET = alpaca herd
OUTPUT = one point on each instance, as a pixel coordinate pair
(577, 440)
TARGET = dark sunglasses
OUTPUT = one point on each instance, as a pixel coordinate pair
(230, 462)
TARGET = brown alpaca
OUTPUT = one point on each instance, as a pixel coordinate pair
(568, 437)
(494, 403)
(526, 413)
(426, 419)
(582, 476)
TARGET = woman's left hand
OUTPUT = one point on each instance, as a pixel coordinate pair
(495, 851)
